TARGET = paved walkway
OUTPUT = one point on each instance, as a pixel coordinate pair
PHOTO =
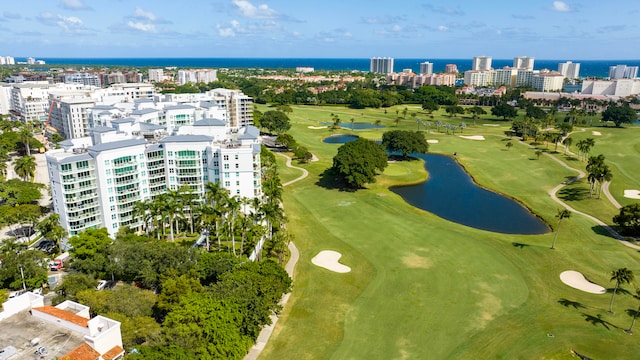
(581, 174)
(266, 331)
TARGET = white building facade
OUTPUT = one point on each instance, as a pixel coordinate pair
(381, 65)
(569, 69)
(96, 181)
(523, 62)
(426, 68)
(481, 63)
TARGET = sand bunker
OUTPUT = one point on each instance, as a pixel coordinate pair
(328, 259)
(490, 125)
(577, 281)
(596, 133)
(632, 194)
(474, 137)
(432, 141)
(316, 127)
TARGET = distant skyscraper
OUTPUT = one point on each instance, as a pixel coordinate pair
(481, 63)
(426, 68)
(380, 65)
(523, 62)
(451, 69)
(156, 75)
(623, 72)
(569, 70)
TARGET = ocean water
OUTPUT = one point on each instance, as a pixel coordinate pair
(599, 68)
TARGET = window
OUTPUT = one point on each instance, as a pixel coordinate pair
(236, 156)
(109, 181)
(108, 172)
(237, 174)
(226, 157)
(226, 166)
(226, 175)
(238, 191)
(106, 162)
(227, 183)
(110, 190)
(237, 166)
(169, 153)
(112, 199)
(237, 183)
(113, 216)
(216, 164)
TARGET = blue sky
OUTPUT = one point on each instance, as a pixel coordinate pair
(581, 29)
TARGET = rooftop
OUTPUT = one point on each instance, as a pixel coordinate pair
(186, 138)
(117, 145)
(20, 329)
(82, 352)
(64, 315)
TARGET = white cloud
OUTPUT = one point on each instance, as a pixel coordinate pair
(443, 28)
(140, 26)
(69, 24)
(561, 6)
(141, 14)
(74, 5)
(396, 28)
(249, 10)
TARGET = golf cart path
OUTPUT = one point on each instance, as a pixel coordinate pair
(266, 331)
(553, 193)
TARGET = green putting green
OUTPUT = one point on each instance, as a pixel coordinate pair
(421, 287)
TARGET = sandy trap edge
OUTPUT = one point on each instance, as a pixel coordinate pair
(474, 137)
(577, 281)
(328, 259)
(632, 194)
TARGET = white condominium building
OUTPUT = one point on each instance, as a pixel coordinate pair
(426, 68)
(69, 115)
(615, 87)
(96, 181)
(523, 62)
(481, 63)
(381, 65)
(569, 69)
(197, 76)
(623, 72)
(156, 75)
(505, 76)
(83, 78)
(524, 78)
(478, 78)
(7, 60)
(548, 81)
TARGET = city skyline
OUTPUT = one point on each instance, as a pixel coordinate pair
(277, 28)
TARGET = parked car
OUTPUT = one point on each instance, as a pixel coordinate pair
(101, 284)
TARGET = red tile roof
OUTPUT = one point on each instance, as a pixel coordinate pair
(113, 353)
(82, 352)
(64, 315)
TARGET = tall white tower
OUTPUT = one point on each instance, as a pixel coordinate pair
(426, 68)
(523, 62)
(481, 63)
(380, 65)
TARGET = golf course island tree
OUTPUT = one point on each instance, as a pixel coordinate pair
(275, 121)
(619, 114)
(405, 142)
(504, 111)
(562, 214)
(629, 219)
(633, 313)
(620, 276)
(358, 162)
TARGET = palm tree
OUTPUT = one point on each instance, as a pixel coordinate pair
(562, 214)
(26, 134)
(233, 207)
(567, 143)
(634, 313)
(25, 167)
(188, 197)
(378, 123)
(620, 276)
(538, 153)
(141, 211)
(509, 145)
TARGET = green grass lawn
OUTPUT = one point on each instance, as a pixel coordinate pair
(425, 288)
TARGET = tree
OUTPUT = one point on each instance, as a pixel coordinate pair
(504, 110)
(430, 106)
(536, 112)
(509, 145)
(302, 154)
(405, 142)
(620, 276)
(561, 215)
(453, 110)
(619, 114)
(359, 161)
(275, 121)
(634, 313)
(50, 228)
(25, 167)
(629, 219)
(538, 153)
(286, 140)
(567, 143)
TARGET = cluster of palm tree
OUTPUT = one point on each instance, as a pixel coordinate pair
(598, 173)
(584, 147)
(552, 137)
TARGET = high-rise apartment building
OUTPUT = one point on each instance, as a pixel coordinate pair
(548, 81)
(523, 62)
(426, 68)
(381, 65)
(7, 60)
(83, 78)
(478, 78)
(524, 78)
(197, 76)
(96, 181)
(451, 69)
(569, 69)
(623, 72)
(505, 76)
(69, 115)
(481, 63)
(156, 75)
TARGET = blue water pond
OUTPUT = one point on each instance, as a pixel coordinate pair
(450, 193)
(340, 139)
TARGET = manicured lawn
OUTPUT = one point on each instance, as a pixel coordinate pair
(425, 288)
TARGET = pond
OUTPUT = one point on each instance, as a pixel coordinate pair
(450, 193)
(340, 139)
(356, 125)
